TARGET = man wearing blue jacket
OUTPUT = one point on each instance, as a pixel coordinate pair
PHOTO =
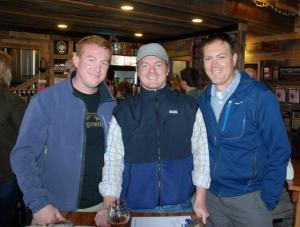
(248, 145)
(59, 153)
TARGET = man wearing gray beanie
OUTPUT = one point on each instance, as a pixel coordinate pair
(157, 153)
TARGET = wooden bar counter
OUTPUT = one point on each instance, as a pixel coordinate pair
(87, 218)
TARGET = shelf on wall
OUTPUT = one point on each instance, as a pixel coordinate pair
(63, 56)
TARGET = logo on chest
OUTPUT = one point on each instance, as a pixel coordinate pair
(93, 121)
(173, 111)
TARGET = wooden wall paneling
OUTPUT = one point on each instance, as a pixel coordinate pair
(25, 40)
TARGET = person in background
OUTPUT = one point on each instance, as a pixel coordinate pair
(157, 146)
(251, 72)
(296, 144)
(190, 82)
(175, 84)
(59, 152)
(110, 81)
(284, 212)
(12, 109)
(124, 90)
(248, 144)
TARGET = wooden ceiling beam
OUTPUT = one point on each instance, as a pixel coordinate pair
(142, 13)
(231, 10)
(260, 17)
(143, 21)
(156, 18)
(210, 9)
(272, 38)
(87, 25)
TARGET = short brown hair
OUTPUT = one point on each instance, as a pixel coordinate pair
(124, 88)
(5, 69)
(92, 39)
(222, 36)
(191, 76)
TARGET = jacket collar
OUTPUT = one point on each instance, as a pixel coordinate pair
(152, 94)
(245, 81)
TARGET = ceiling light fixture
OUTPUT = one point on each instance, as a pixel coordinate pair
(197, 20)
(127, 7)
(62, 26)
(138, 34)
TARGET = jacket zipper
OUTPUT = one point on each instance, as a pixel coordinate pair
(158, 147)
(253, 162)
(227, 112)
(82, 159)
(102, 116)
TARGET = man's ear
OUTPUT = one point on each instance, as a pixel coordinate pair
(235, 57)
(76, 61)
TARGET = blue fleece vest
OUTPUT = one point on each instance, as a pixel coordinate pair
(156, 128)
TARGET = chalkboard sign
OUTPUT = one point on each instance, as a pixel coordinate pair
(289, 73)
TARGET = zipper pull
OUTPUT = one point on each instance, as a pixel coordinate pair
(227, 112)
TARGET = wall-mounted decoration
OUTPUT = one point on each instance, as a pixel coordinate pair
(280, 94)
(293, 95)
(268, 73)
(59, 66)
(196, 53)
(43, 65)
(289, 73)
(61, 47)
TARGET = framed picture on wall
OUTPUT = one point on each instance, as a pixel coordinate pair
(280, 94)
(293, 95)
(268, 73)
(289, 73)
(61, 47)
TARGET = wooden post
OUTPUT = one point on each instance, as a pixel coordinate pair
(241, 45)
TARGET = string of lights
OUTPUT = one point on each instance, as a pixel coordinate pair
(266, 3)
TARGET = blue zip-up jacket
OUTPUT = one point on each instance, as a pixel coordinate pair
(48, 156)
(157, 127)
(248, 147)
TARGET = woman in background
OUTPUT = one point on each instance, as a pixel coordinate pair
(12, 108)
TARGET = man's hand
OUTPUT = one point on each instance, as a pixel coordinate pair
(199, 204)
(47, 215)
(201, 211)
(101, 218)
